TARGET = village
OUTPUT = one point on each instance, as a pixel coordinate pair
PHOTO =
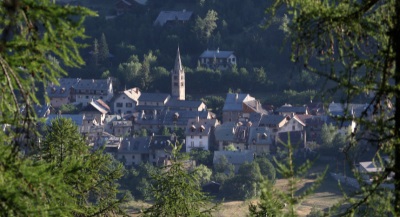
(139, 127)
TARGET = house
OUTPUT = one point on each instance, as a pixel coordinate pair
(160, 149)
(238, 105)
(179, 118)
(86, 90)
(231, 133)
(259, 139)
(217, 59)
(126, 101)
(152, 100)
(274, 122)
(200, 133)
(95, 112)
(187, 105)
(122, 128)
(172, 17)
(134, 151)
(237, 158)
(290, 110)
(61, 93)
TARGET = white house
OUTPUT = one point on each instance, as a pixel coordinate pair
(126, 101)
(200, 133)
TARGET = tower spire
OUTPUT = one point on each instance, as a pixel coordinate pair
(178, 78)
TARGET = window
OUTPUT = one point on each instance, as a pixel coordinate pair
(192, 144)
(119, 104)
(133, 156)
(176, 84)
(293, 127)
(192, 137)
(201, 143)
(87, 97)
(128, 105)
(175, 77)
(154, 156)
(182, 84)
(201, 137)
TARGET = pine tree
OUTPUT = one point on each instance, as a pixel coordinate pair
(358, 43)
(96, 53)
(177, 192)
(103, 48)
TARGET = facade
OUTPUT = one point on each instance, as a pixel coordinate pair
(239, 105)
(178, 79)
(217, 59)
(126, 101)
(133, 151)
(200, 133)
(87, 90)
(61, 94)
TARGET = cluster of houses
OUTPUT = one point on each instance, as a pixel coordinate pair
(113, 120)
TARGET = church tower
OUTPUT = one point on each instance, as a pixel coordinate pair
(178, 79)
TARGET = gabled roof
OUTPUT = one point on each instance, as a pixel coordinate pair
(216, 54)
(183, 104)
(180, 118)
(135, 145)
(166, 16)
(234, 101)
(271, 120)
(98, 105)
(259, 135)
(63, 89)
(200, 126)
(255, 105)
(294, 109)
(93, 84)
(133, 93)
(371, 167)
(153, 97)
(225, 132)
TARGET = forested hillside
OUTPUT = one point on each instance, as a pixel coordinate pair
(142, 54)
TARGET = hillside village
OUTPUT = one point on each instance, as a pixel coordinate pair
(138, 126)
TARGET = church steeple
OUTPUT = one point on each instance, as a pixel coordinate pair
(178, 79)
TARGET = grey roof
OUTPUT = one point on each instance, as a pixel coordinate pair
(233, 101)
(294, 109)
(76, 118)
(183, 104)
(256, 106)
(63, 89)
(216, 53)
(225, 132)
(136, 145)
(200, 126)
(181, 117)
(166, 16)
(271, 119)
(41, 111)
(259, 135)
(235, 157)
(341, 109)
(97, 105)
(153, 97)
(93, 84)
(162, 142)
(371, 167)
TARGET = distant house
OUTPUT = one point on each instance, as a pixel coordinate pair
(166, 17)
(200, 133)
(87, 90)
(95, 112)
(217, 59)
(259, 139)
(290, 110)
(186, 105)
(239, 105)
(231, 133)
(134, 151)
(62, 93)
(126, 101)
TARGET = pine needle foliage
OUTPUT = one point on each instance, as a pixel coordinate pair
(177, 192)
(356, 46)
(274, 202)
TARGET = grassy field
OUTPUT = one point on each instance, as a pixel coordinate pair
(326, 195)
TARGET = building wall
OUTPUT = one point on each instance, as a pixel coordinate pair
(124, 104)
(57, 102)
(196, 142)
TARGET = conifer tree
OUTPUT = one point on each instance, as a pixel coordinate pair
(177, 192)
(103, 48)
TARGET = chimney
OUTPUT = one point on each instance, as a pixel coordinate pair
(129, 145)
(217, 50)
